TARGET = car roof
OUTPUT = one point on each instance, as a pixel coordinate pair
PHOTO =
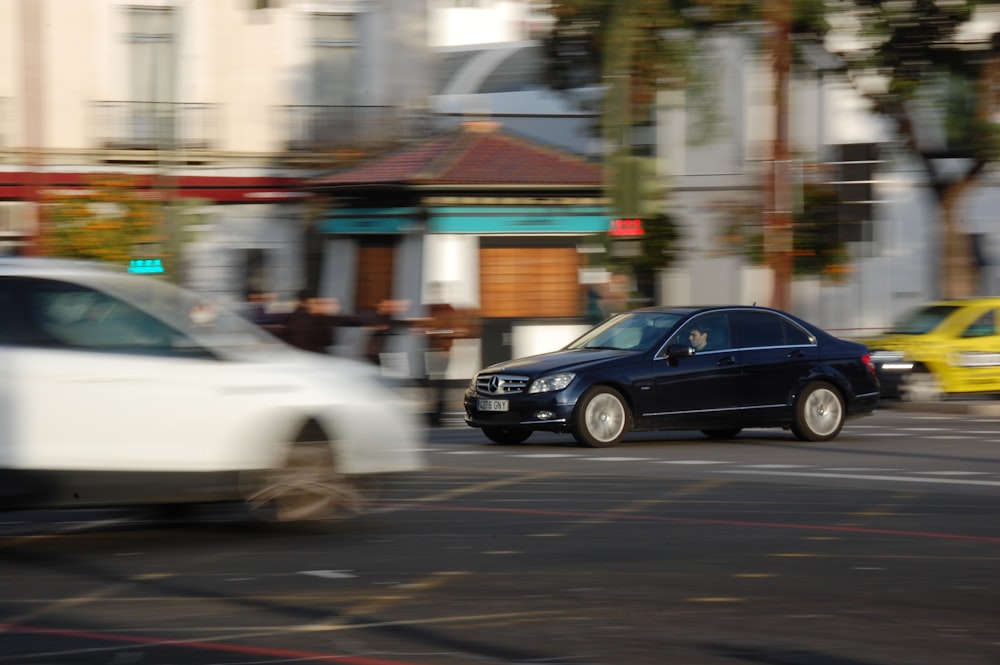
(56, 267)
(698, 309)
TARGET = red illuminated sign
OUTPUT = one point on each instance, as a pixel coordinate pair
(626, 227)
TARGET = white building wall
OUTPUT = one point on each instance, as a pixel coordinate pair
(490, 22)
(250, 64)
(892, 273)
(452, 261)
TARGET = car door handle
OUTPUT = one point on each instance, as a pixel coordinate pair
(797, 353)
(728, 360)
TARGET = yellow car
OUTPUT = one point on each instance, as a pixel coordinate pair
(939, 349)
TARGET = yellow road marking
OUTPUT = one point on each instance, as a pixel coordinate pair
(637, 506)
(482, 487)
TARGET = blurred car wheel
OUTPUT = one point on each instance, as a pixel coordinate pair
(920, 385)
(601, 418)
(307, 488)
(819, 413)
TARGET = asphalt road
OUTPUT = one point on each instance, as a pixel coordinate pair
(879, 548)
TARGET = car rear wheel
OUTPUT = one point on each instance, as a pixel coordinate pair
(506, 435)
(601, 418)
(721, 433)
(819, 413)
(920, 385)
(306, 488)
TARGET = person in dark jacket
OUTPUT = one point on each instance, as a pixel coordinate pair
(310, 326)
(382, 322)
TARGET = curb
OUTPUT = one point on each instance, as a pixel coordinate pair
(990, 409)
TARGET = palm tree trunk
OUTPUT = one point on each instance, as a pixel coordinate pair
(959, 273)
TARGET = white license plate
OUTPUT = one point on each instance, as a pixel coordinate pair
(494, 405)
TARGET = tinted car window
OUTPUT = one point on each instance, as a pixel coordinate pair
(984, 326)
(762, 329)
(716, 325)
(55, 313)
(629, 331)
(923, 320)
(19, 324)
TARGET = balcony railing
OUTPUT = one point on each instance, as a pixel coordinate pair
(156, 125)
(319, 128)
(195, 127)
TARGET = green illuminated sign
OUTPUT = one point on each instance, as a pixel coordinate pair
(146, 266)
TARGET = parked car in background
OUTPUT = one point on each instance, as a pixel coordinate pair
(642, 370)
(120, 389)
(949, 347)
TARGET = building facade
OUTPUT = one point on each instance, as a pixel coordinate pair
(476, 216)
(222, 107)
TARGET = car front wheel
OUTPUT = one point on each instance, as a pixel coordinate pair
(920, 386)
(307, 487)
(601, 418)
(819, 413)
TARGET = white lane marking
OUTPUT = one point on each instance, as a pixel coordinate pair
(863, 468)
(691, 461)
(776, 466)
(546, 455)
(329, 574)
(924, 429)
(851, 476)
(885, 434)
(470, 452)
(949, 437)
(954, 473)
(620, 459)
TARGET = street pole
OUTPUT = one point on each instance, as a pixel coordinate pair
(778, 199)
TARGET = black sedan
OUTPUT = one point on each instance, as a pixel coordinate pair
(713, 369)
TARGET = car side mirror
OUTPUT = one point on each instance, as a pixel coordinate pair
(680, 351)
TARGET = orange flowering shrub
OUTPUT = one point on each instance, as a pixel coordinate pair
(108, 220)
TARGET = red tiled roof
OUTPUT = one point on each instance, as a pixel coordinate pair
(473, 155)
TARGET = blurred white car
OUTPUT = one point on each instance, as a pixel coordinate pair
(120, 389)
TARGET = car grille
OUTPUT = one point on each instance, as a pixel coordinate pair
(501, 384)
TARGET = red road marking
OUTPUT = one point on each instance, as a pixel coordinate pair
(196, 644)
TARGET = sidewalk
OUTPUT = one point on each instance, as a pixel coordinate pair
(985, 407)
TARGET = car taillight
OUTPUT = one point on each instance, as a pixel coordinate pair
(867, 360)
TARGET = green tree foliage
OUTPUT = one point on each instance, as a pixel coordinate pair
(634, 49)
(817, 249)
(104, 221)
(650, 40)
(911, 56)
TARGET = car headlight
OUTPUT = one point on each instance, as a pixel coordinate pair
(550, 383)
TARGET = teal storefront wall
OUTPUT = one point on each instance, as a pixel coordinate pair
(471, 219)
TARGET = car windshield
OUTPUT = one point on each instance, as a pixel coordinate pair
(632, 331)
(207, 323)
(923, 320)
